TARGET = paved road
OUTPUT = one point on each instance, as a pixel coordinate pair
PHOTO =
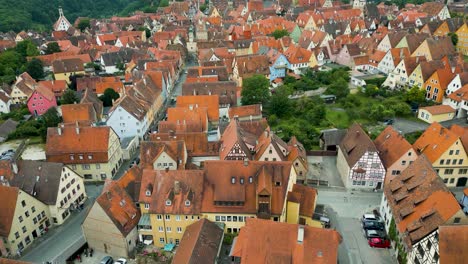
(58, 239)
(409, 126)
(344, 209)
(324, 168)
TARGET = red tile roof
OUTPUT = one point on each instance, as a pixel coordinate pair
(391, 146)
(211, 102)
(8, 196)
(439, 109)
(266, 241)
(245, 111)
(452, 243)
(306, 196)
(78, 112)
(435, 141)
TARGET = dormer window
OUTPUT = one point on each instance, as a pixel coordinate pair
(122, 202)
(187, 202)
(242, 180)
(233, 180)
(250, 179)
(148, 193)
(277, 183)
(168, 202)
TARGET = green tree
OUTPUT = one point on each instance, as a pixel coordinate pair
(279, 33)
(279, 103)
(52, 47)
(108, 96)
(203, 7)
(35, 68)
(415, 95)
(454, 37)
(339, 88)
(255, 90)
(163, 3)
(84, 24)
(69, 97)
(26, 48)
(51, 117)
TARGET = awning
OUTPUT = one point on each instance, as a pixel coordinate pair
(144, 220)
(169, 247)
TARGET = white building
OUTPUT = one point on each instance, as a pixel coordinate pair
(128, 118)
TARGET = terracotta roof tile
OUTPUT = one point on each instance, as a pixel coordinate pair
(195, 114)
(355, 143)
(452, 243)
(307, 199)
(439, 109)
(200, 243)
(211, 102)
(78, 112)
(435, 141)
(150, 150)
(131, 182)
(176, 186)
(8, 195)
(419, 200)
(269, 178)
(119, 206)
(391, 146)
(275, 242)
(245, 111)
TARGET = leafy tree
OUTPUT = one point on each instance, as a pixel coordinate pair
(84, 24)
(203, 7)
(255, 90)
(69, 97)
(146, 30)
(163, 3)
(108, 96)
(279, 104)
(339, 88)
(415, 95)
(52, 47)
(96, 66)
(51, 117)
(279, 33)
(35, 68)
(26, 48)
(454, 37)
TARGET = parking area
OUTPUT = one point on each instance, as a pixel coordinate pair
(344, 209)
(323, 168)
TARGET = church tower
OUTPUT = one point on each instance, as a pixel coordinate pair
(62, 23)
(359, 4)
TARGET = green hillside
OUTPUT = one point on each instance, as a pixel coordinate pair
(41, 14)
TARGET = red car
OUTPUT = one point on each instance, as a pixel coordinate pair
(379, 242)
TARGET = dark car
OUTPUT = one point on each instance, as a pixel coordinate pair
(373, 225)
(370, 233)
(388, 122)
(369, 217)
(379, 242)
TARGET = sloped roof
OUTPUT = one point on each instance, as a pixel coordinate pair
(150, 150)
(233, 135)
(200, 243)
(245, 111)
(452, 243)
(177, 186)
(78, 112)
(211, 102)
(90, 97)
(356, 143)
(435, 141)
(131, 105)
(8, 196)
(306, 197)
(266, 241)
(88, 140)
(419, 201)
(131, 182)
(67, 65)
(439, 109)
(391, 146)
(195, 114)
(119, 207)
(40, 179)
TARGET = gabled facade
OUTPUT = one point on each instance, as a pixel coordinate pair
(40, 101)
(437, 84)
(128, 118)
(163, 155)
(358, 161)
(22, 88)
(279, 67)
(462, 44)
(444, 149)
(395, 152)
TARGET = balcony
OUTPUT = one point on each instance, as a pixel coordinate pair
(144, 224)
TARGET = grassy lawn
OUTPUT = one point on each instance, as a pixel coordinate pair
(338, 118)
(35, 140)
(465, 58)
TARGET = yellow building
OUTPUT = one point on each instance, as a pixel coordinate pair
(301, 202)
(64, 69)
(462, 45)
(92, 152)
(22, 89)
(444, 149)
(24, 219)
(170, 200)
(436, 113)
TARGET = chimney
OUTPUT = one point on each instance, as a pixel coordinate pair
(59, 131)
(77, 128)
(167, 169)
(300, 234)
(176, 187)
(246, 162)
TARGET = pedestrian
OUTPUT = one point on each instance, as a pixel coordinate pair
(86, 252)
(91, 252)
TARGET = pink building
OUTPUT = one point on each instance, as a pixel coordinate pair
(41, 100)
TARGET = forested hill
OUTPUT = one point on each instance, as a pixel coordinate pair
(20, 15)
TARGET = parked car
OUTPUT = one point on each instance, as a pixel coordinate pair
(370, 233)
(379, 242)
(373, 225)
(121, 261)
(369, 217)
(107, 260)
(388, 122)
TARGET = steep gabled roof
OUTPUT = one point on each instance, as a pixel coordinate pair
(306, 197)
(391, 146)
(419, 201)
(119, 207)
(435, 141)
(452, 243)
(8, 196)
(200, 243)
(150, 150)
(78, 112)
(355, 144)
(233, 135)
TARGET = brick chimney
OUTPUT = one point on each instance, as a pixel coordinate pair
(176, 187)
